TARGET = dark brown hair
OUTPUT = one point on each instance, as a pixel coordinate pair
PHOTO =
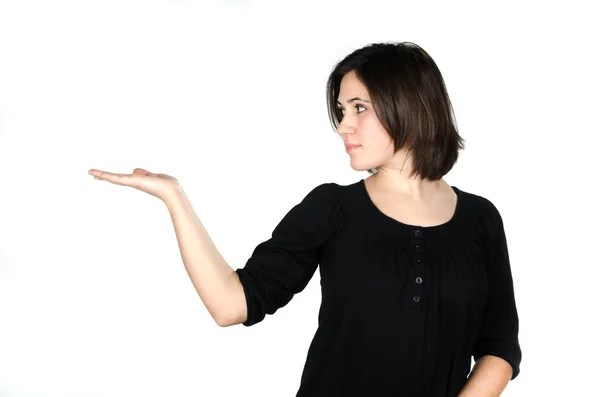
(410, 100)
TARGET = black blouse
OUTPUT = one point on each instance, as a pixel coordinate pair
(404, 307)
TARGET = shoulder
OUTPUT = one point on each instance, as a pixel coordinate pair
(485, 211)
(318, 200)
(328, 201)
(325, 189)
(479, 204)
(329, 193)
(317, 215)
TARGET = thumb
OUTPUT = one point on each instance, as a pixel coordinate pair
(142, 171)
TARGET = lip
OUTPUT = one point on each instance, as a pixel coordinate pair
(350, 148)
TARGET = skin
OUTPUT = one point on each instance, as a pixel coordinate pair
(409, 200)
(216, 282)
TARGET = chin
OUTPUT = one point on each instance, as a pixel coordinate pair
(361, 167)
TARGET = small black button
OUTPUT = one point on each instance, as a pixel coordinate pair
(419, 261)
(419, 280)
(418, 247)
(416, 299)
(417, 232)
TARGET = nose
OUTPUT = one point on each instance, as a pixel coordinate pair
(344, 128)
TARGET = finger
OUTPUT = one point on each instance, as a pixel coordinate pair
(118, 179)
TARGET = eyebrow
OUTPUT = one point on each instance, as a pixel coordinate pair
(354, 99)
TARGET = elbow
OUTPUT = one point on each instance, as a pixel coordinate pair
(221, 318)
(229, 320)
(234, 308)
(223, 322)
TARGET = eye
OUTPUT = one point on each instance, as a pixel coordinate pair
(357, 106)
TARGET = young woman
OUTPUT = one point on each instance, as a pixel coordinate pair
(415, 274)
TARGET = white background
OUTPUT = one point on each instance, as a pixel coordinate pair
(229, 97)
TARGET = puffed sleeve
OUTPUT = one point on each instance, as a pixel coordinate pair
(284, 264)
(500, 328)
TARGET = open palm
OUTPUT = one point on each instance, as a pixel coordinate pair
(158, 185)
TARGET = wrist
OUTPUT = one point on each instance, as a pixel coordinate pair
(174, 197)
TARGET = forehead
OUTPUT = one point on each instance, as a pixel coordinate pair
(351, 86)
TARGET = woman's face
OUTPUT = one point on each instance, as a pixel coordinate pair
(360, 126)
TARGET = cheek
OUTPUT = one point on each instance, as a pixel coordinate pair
(371, 132)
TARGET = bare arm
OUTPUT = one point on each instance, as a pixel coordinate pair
(217, 284)
(489, 378)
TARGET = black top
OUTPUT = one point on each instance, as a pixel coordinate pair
(404, 307)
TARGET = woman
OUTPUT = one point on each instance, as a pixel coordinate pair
(415, 273)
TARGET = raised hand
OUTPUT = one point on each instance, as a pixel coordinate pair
(158, 185)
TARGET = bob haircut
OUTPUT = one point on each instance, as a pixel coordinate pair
(410, 99)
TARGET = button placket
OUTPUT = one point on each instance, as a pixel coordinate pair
(418, 249)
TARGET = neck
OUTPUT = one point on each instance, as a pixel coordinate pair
(410, 188)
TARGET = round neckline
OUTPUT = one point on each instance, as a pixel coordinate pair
(448, 223)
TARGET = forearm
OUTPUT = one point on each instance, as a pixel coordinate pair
(489, 378)
(215, 281)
